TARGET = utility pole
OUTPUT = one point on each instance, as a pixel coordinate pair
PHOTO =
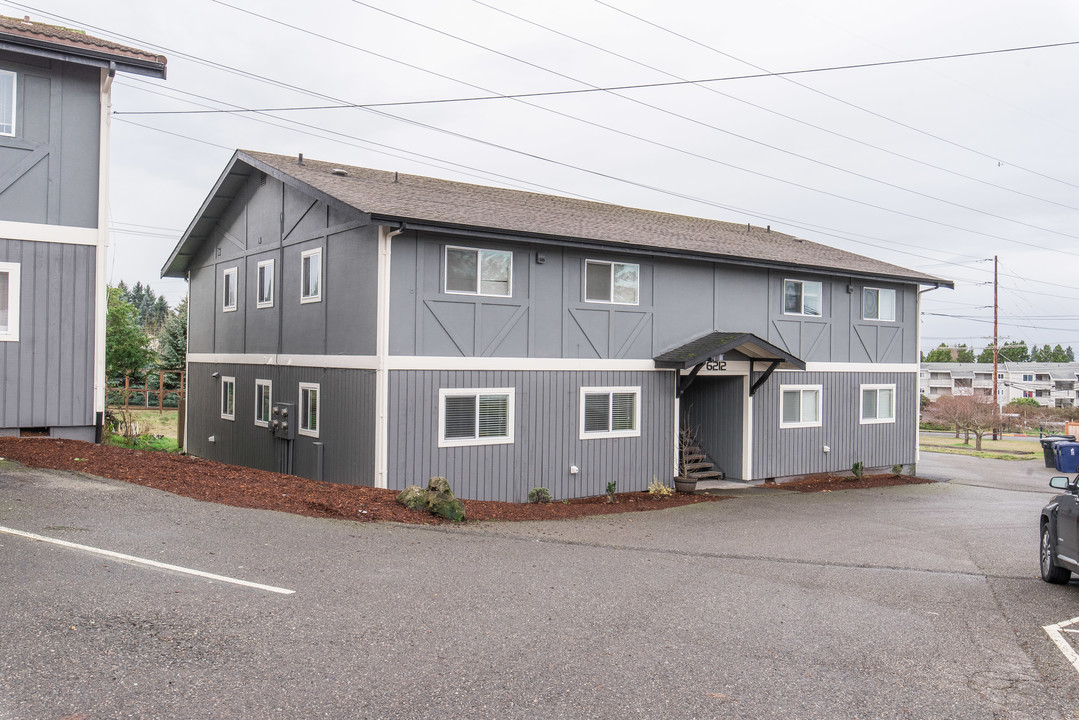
(996, 350)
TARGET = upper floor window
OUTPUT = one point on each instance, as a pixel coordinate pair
(7, 102)
(801, 406)
(878, 404)
(309, 409)
(479, 272)
(802, 297)
(610, 412)
(263, 402)
(475, 416)
(878, 304)
(311, 271)
(9, 301)
(228, 398)
(1028, 378)
(611, 282)
(264, 299)
(228, 291)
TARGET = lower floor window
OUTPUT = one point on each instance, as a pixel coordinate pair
(475, 416)
(228, 398)
(309, 408)
(263, 400)
(801, 406)
(9, 301)
(878, 403)
(610, 412)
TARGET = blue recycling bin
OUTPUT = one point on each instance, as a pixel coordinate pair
(1067, 454)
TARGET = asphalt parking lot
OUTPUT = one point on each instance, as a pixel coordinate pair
(915, 602)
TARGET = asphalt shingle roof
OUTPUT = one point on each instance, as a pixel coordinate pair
(73, 39)
(425, 200)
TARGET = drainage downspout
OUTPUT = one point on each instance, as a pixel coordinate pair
(382, 352)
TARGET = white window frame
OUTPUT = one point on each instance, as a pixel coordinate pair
(880, 291)
(507, 439)
(268, 384)
(13, 270)
(234, 274)
(800, 389)
(14, 99)
(259, 301)
(479, 271)
(861, 403)
(803, 283)
(609, 390)
(303, 416)
(228, 382)
(610, 300)
(314, 297)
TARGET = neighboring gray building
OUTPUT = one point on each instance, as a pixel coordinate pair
(55, 99)
(508, 340)
(1050, 384)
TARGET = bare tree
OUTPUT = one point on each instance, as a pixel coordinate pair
(975, 414)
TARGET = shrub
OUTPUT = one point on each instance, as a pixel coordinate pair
(612, 487)
(658, 488)
(858, 469)
(539, 495)
(897, 470)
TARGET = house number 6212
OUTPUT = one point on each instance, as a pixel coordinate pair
(716, 365)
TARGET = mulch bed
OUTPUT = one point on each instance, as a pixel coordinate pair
(245, 487)
(828, 483)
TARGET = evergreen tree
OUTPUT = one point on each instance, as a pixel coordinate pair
(1059, 355)
(173, 338)
(954, 353)
(1008, 352)
(1070, 354)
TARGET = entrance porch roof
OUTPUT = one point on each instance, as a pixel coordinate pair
(716, 344)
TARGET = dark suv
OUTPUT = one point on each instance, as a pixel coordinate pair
(1060, 533)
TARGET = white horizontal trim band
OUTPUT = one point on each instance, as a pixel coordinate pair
(39, 232)
(404, 362)
(859, 367)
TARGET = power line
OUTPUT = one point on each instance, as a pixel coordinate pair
(833, 97)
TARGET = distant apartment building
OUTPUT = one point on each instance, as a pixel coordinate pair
(1051, 384)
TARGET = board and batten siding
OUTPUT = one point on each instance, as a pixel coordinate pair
(779, 452)
(346, 420)
(546, 435)
(46, 377)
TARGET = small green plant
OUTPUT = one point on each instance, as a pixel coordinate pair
(658, 488)
(897, 470)
(612, 488)
(539, 495)
(858, 469)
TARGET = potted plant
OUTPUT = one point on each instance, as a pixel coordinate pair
(683, 482)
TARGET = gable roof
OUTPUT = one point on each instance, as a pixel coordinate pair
(60, 43)
(424, 202)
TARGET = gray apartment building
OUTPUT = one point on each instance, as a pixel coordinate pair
(55, 99)
(377, 328)
(1050, 384)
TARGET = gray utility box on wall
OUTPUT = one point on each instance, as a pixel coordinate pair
(283, 420)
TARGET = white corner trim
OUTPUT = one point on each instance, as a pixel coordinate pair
(34, 232)
(747, 432)
(100, 240)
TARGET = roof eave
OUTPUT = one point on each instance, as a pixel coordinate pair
(81, 56)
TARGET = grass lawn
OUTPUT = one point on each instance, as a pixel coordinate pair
(1003, 449)
(149, 424)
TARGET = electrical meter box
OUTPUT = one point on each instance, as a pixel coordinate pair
(283, 420)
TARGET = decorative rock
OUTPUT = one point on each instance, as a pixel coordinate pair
(439, 485)
(413, 497)
(446, 505)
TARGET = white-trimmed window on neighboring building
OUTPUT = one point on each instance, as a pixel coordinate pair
(265, 280)
(263, 402)
(228, 398)
(311, 276)
(7, 102)
(470, 271)
(878, 404)
(228, 290)
(800, 406)
(612, 282)
(878, 304)
(309, 409)
(475, 416)
(802, 297)
(9, 302)
(610, 412)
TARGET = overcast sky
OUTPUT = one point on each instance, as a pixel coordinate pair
(936, 166)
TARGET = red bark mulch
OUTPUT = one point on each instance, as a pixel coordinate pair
(245, 487)
(827, 483)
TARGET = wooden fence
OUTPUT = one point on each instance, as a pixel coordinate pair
(155, 389)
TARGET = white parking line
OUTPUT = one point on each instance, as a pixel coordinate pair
(144, 561)
(1056, 634)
